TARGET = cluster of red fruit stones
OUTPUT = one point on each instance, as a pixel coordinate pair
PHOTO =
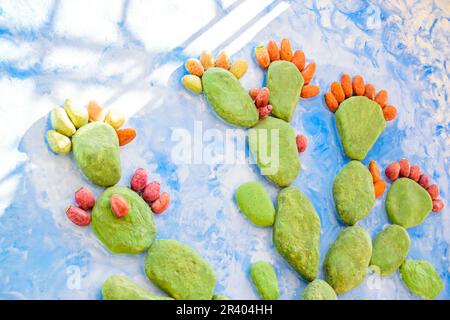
(403, 168)
(260, 97)
(150, 192)
(79, 215)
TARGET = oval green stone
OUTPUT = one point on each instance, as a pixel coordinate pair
(121, 288)
(359, 121)
(390, 248)
(407, 203)
(319, 290)
(131, 234)
(254, 201)
(285, 83)
(96, 150)
(229, 100)
(296, 232)
(265, 280)
(272, 142)
(348, 258)
(353, 192)
(179, 271)
(421, 278)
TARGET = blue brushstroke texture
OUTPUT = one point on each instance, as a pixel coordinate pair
(201, 208)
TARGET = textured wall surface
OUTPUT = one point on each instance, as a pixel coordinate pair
(129, 55)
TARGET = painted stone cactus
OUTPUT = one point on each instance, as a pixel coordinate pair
(96, 150)
(361, 114)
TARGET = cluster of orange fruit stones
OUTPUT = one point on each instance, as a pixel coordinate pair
(265, 55)
(349, 87)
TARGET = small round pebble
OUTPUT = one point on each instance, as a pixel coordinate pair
(392, 171)
(85, 198)
(389, 113)
(139, 180)
(424, 180)
(405, 167)
(265, 111)
(438, 205)
(254, 93)
(78, 216)
(433, 191)
(414, 173)
(262, 98)
(302, 142)
(160, 205)
(152, 191)
(119, 206)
